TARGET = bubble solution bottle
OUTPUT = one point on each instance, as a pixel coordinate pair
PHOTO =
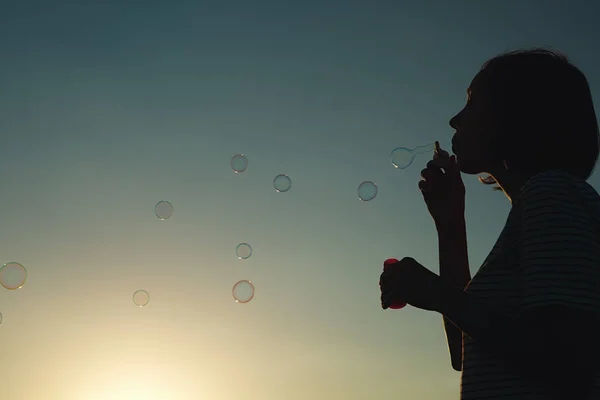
(396, 304)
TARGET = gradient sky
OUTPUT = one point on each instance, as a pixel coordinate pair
(108, 107)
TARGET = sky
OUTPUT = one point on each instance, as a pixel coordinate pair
(109, 107)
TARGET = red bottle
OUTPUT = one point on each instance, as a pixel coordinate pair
(395, 305)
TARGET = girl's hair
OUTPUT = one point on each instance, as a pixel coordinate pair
(546, 114)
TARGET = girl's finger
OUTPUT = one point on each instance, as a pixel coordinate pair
(422, 186)
(435, 165)
(452, 166)
(385, 301)
(441, 155)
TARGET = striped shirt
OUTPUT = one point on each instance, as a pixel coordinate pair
(547, 253)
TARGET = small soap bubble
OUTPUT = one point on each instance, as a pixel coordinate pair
(243, 251)
(239, 163)
(13, 275)
(163, 210)
(141, 298)
(403, 157)
(243, 291)
(282, 183)
(367, 191)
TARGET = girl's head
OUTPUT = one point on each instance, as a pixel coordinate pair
(527, 111)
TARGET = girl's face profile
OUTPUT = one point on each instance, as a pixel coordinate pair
(474, 142)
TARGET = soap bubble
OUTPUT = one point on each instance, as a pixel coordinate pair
(243, 251)
(141, 298)
(243, 291)
(239, 163)
(403, 157)
(367, 191)
(282, 183)
(163, 210)
(13, 275)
